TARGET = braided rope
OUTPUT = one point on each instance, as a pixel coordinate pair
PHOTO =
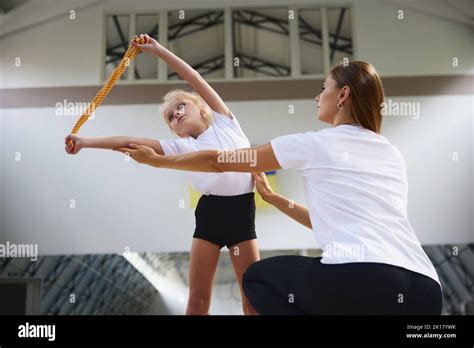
(131, 53)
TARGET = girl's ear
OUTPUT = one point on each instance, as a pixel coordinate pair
(204, 115)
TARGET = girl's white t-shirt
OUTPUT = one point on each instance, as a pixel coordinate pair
(356, 190)
(224, 133)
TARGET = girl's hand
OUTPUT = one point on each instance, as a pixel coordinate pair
(140, 153)
(74, 144)
(262, 185)
(150, 45)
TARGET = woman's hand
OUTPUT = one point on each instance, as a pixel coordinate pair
(296, 211)
(140, 153)
(262, 185)
(150, 45)
(74, 144)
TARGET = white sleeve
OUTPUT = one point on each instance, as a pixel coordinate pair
(223, 120)
(177, 146)
(295, 151)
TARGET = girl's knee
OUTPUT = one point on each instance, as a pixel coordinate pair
(198, 304)
(251, 273)
(248, 309)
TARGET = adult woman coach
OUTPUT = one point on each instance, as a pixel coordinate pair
(356, 192)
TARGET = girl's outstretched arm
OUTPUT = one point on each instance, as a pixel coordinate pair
(186, 72)
(75, 143)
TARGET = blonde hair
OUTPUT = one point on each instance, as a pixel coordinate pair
(192, 96)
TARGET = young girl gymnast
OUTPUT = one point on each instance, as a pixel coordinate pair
(203, 122)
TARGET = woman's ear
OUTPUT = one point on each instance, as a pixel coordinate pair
(344, 93)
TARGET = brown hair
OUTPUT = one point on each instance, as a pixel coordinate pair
(366, 92)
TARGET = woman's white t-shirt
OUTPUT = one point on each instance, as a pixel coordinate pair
(224, 133)
(356, 191)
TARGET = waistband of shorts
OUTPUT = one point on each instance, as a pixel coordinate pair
(229, 198)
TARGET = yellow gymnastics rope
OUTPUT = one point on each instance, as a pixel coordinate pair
(131, 53)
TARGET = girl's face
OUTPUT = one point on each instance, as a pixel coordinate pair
(327, 100)
(184, 117)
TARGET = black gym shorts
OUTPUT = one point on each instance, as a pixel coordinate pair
(225, 220)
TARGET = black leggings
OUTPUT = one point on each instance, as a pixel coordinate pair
(296, 285)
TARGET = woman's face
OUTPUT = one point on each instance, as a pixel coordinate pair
(327, 100)
(183, 116)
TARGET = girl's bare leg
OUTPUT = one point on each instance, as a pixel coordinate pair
(203, 264)
(243, 255)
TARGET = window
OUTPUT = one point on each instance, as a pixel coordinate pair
(311, 38)
(340, 35)
(311, 42)
(264, 42)
(197, 37)
(261, 43)
(146, 65)
(118, 27)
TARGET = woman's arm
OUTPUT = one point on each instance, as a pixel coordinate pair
(295, 211)
(108, 143)
(186, 72)
(248, 160)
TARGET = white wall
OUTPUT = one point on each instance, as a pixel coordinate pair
(472, 167)
(2, 182)
(56, 53)
(419, 44)
(120, 204)
(65, 52)
(440, 187)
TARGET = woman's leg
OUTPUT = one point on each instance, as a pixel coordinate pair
(279, 285)
(337, 289)
(425, 296)
(203, 264)
(243, 255)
